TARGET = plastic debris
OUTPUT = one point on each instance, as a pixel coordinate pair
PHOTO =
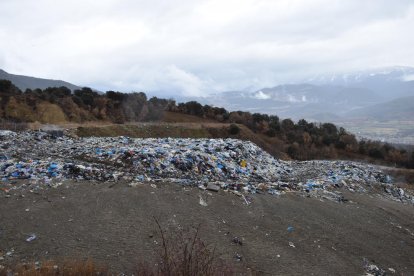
(373, 269)
(203, 202)
(248, 202)
(44, 160)
(32, 237)
(213, 187)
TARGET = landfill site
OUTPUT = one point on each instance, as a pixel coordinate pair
(104, 198)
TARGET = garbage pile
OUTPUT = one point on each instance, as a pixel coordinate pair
(39, 159)
(39, 156)
(316, 176)
(194, 160)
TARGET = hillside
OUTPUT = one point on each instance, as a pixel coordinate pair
(25, 82)
(398, 109)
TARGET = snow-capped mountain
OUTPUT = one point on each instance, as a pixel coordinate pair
(325, 97)
(388, 74)
(388, 82)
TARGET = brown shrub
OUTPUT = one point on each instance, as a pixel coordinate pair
(19, 111)
(50, 113)
(183, 254)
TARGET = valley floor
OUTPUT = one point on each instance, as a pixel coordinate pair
(395, 132)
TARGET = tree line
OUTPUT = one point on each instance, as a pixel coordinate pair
(60, 103)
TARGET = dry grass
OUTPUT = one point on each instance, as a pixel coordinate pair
(181, 253)
(144, 130)
(175, 117)
(50, 113)
(52, 268)
(13, 126)
(403, 177)
(19, 111)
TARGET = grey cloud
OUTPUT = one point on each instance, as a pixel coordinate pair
(199, 47)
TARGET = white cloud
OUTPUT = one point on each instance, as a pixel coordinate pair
(262, 96)
(408, 78)
(190, 84)
(199, 47)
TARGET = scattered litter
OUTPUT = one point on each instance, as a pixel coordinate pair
(245, 200)
(290, 229)
(238, 257)
(10, 253)
(203, 202)
(237, 240)
(32, 237)
(292, 245)
(7, 133)
(134, 184)
(372, 269)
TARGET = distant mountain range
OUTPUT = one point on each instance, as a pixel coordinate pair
(330, 97)
(25, 82)
(388, 83)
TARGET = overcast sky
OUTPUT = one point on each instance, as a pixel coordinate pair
(195, 47)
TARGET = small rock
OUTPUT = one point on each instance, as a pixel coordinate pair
(213, 187)
(237, 240)
(203, 202)
(238, 257)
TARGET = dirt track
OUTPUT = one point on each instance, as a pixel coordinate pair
(113, 224)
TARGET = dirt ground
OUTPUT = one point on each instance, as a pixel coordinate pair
(114, 225)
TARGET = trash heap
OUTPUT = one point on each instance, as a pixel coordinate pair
(191, 160)
(38, 160)
(39, 156)
(324, 176)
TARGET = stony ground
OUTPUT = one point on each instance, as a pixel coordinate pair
(290, 234)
